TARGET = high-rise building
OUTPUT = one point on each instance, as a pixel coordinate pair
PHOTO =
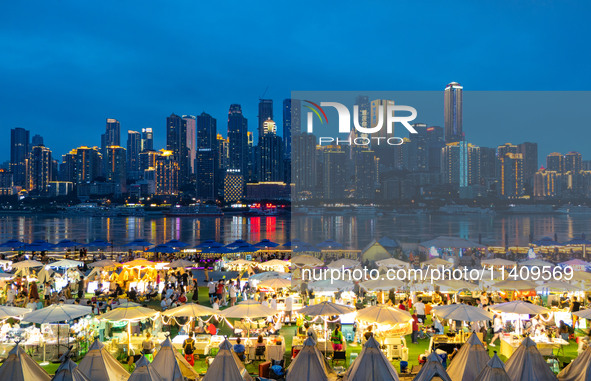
(111, 137)
(334, 179)
(167, 173)
(270, 154)
(208, 177)
(81, 165)
(233, 186)
(238, 140)
(291, 123)
(511, 176)
(134, 146)
(147, 139)
(39, 165)
(453, 113)
(380, 118)
(191, 141)
(530, 163)
(547, 183)
(265, 112)
(37, 140)
(116, 168)
(303, 165)
(19, 150)
(366, 175)
(555, 162)
(488, 165)
(573, 162)
(176, 141)
(148, 160)
(460, 164)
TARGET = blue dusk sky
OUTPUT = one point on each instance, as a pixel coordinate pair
(67, 65)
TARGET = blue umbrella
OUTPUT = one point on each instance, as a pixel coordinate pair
(266, 243)
(577, 241)
(329, 243)
(12, 244)
(216, 250)
(66, 243)
(546, 241)
(208, 244)
(304, 248)
(164, 249)
(138, 243)
(99, 243)
(176, 243)
(246, 249)
(238, 243)
(37, 245)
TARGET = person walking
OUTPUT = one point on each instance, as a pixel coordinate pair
(189, 349)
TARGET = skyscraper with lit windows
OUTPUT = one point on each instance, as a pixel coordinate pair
(453, 113)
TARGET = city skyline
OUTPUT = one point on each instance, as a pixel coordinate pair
(63, 71)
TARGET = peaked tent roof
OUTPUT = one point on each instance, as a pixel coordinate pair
(527, 364)
(494, 371)
(371, 365)
(374, 252)
(388, 242)
(309, 364)
(432, 368)
(171, 365)
(99, 365)
(451, 242)
(68, 371)
(19, 366)
(469, 361)
(579, 369)
(226, 366)
(144, 371)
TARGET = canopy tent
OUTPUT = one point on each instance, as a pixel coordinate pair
(66, 243)
(536, 262)
(585, 314)
(435, 262)
(330, 244)
(99, 365)
(546, 241)
(57, 313)
(383, 314)
(577, 242)
(144, 371)
(326, 309)
(520, 307)
(462, 312)
(382, 285)
(497, 262)
(493, 371)
(171, 365)
(558, 286)
(208, 244)
(455, 285)
(275, 283)
(240, 262)
(19, 366)
(375, 252)
(163, 249)
(343, 263)
(138, 243)
(139, 263)
(431, 369)
(181, 263)
(579, 369)
(306, 260)
(68, 371)
(129, 314)
(371, 364)
(392, 263)
(226, 366)
(99, 243)
(249, 309)
(274, 264)
(190, 310)
(527, 364)
(12, 244)
(470, 360)
(27, 263)
(518, 285)
(44, 275)
(65, 264)
(331, 285)
(309, 365)
(12, 312)
(450, 242)
(295, 243)
(268, 275)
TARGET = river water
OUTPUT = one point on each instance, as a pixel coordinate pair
(352, 231)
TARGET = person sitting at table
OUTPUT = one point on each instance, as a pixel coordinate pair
(368, 333)
(148, 347)
(99, 290)
(437, 326)
(337, 338)
(239, 349)
(211, 329)
(189, 349)
(260, 341)
(563, 330)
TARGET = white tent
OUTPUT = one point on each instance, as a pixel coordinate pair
(68, 371)
(19, 366)
(171, 365)
(226, 366)
(309, 365)
(450, 242)
(99, 365)
(371, 365)
(527, 364)
(432, 368)
(494, 371)
(579, 369)
(144, 371)
(469, 361)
